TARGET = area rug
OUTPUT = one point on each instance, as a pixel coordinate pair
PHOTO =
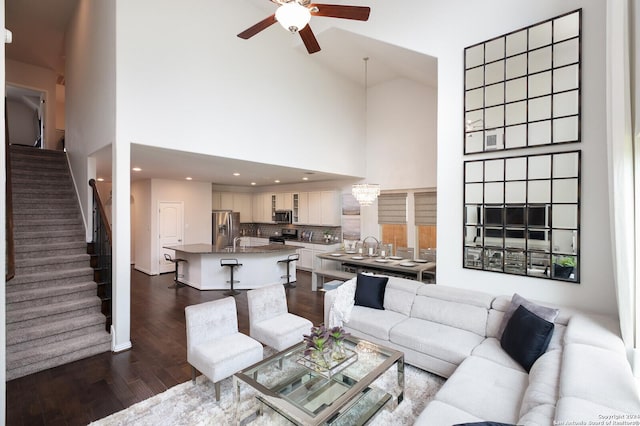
(189, 404)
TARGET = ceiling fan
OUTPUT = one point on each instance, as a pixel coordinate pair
(294, 15)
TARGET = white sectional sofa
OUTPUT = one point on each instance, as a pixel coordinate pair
(583, 375)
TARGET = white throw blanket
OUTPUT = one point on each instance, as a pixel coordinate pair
(340, 311)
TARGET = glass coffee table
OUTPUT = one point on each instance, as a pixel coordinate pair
(305, 396)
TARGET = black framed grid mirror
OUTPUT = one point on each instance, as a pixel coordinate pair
(522, 215)
(522, 89)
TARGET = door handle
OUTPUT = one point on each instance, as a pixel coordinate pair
(179, 241)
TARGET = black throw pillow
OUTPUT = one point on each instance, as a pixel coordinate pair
(370, 291)
(526, 337)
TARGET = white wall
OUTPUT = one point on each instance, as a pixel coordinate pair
(23, 123)
(443, 30)
(190, 82)
(196, 197)
(42, 79)
(401, 143)
(90, 89)
(141, 225)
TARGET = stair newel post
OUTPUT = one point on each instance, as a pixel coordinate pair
(102, 252)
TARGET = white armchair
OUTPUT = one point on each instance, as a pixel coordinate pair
(214, 345)
(270, 321)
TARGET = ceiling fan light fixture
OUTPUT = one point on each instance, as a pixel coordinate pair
(293, 16)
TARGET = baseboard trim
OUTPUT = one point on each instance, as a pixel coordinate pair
(144, 271)
(122, 346)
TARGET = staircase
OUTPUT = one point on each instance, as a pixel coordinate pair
(53, 311)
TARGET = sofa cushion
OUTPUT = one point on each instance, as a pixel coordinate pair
(490, 349)
(543, 382)
(485, 389)
(400, 293)
(526, 337)
(374, 322)
(370, 291)
(460, 315)
(459, 295)
(547, 314)
(281, 331)
(438, 340)
(595, 330)
(599, 375)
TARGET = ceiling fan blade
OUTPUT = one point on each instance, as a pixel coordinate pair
(262, 25)
(358, 13)
(309, 39)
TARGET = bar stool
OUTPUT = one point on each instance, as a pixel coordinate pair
(177, 284)
(231, 263)
(288, 260)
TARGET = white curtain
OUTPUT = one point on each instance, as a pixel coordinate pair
(622, 175)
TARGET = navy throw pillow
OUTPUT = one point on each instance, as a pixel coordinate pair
(526, 337)
(370, 291)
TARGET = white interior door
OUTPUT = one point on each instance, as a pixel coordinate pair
(170, 231)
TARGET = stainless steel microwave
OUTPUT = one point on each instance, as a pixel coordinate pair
(282, 216)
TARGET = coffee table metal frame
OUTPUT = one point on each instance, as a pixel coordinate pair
(341, 405)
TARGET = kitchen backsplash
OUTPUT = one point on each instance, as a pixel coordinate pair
(268, 230)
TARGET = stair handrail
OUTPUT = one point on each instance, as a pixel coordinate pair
(100, 209)
(10, 257)
(102, 243)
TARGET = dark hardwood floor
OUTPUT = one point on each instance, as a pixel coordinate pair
(92, 388)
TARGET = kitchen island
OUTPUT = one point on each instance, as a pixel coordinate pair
(259, 268)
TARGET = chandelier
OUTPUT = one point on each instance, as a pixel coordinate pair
(365, 193)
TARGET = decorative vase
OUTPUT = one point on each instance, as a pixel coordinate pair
(338, 353)
(321, 358)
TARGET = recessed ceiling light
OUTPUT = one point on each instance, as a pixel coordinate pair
(253, 183)
(189, 178)
(236, 174)
(100, 180)
(277, 181)
(137, 169)
(305, 178)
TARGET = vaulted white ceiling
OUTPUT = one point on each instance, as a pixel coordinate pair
(38, 39)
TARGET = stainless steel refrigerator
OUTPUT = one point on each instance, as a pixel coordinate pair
(225, 226)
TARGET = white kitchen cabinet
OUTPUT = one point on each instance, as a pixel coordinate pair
(226, 201)
(308, 255)
(242, 204)
(330, 208)
(320, 208)
(306, 259)
(262, 208)
(215, 201)
(303, 208)
(315, 208)
(284, 201)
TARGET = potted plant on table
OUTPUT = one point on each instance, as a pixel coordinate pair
(318, 345)
(338, 335)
